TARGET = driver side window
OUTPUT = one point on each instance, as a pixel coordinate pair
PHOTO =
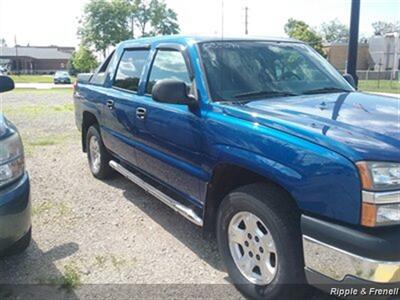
(168, 64)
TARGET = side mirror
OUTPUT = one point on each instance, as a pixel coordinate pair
(349, 78)
(6, 84)
(173, 92)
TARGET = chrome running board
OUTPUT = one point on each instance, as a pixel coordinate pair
(175, 205)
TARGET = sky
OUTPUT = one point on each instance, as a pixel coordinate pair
(55, 22)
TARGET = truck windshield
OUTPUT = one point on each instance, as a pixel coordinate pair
(253, 70)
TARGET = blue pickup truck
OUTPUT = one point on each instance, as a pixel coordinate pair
(260, 141)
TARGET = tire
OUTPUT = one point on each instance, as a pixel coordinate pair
(270, 217)
(20, 246)
(98, 156)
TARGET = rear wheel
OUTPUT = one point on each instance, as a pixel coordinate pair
(98, 155)
(260, 242)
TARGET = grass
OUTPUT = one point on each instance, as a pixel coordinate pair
(32, 112)
(42, 142)
(64, 210)
(31, 143)
(384, 86)
(117, 262)
(37, 110)
(69, 280)
(41, 208)
(32, 78)
(43, 91)
(100, 260)
(35, 78)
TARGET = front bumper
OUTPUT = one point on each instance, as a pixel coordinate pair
(15, 212)
(343, 254)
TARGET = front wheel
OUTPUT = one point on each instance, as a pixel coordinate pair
(98, 155)
(260, 242)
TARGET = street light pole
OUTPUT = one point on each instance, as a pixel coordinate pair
(353, 40)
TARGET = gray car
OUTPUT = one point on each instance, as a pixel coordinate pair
(62, 77)
(15, 204)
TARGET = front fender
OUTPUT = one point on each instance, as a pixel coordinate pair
(257, 163)
(320, 181)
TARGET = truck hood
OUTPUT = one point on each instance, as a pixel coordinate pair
(356, 125)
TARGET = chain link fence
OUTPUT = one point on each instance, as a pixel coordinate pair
(378, 81)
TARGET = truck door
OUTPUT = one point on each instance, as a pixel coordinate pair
(170, 136)
(121, 104)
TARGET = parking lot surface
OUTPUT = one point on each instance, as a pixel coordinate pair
(96, 237)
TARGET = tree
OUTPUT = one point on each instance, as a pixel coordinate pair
(381, 28)
(83, 61)
(163, 20)
(105, 24)
(301, 31)
(141, 15)
(154, 17)
(334, 30)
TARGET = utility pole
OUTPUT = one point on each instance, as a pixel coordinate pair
(396, 60)
(222, 18)
(246, 20)
(353, 40)
(16, 54)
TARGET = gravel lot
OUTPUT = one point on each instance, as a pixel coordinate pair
(109, 233)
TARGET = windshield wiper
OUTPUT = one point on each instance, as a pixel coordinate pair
(325, 90)
(264, 94)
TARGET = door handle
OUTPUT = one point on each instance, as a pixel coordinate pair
(110, 104)
(140, 113)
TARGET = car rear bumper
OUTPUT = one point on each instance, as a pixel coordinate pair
(340, 254)
(15, 212)
(66, 81)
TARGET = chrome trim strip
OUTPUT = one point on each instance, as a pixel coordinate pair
(381, 197)
(336, 263)
(175, 205)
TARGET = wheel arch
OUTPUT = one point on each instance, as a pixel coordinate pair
(88, 119)
(227, 177)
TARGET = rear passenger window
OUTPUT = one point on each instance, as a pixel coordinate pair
(100, 75)
(168, 64)
(129, 69)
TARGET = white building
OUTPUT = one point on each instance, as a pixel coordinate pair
(385, 52)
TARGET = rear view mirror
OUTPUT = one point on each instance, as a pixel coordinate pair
(6, 84)
(349, 78)
(173, 92)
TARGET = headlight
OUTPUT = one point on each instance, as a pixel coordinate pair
(388, 214)
(12, 164)
(379, 176)
(381, 193)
